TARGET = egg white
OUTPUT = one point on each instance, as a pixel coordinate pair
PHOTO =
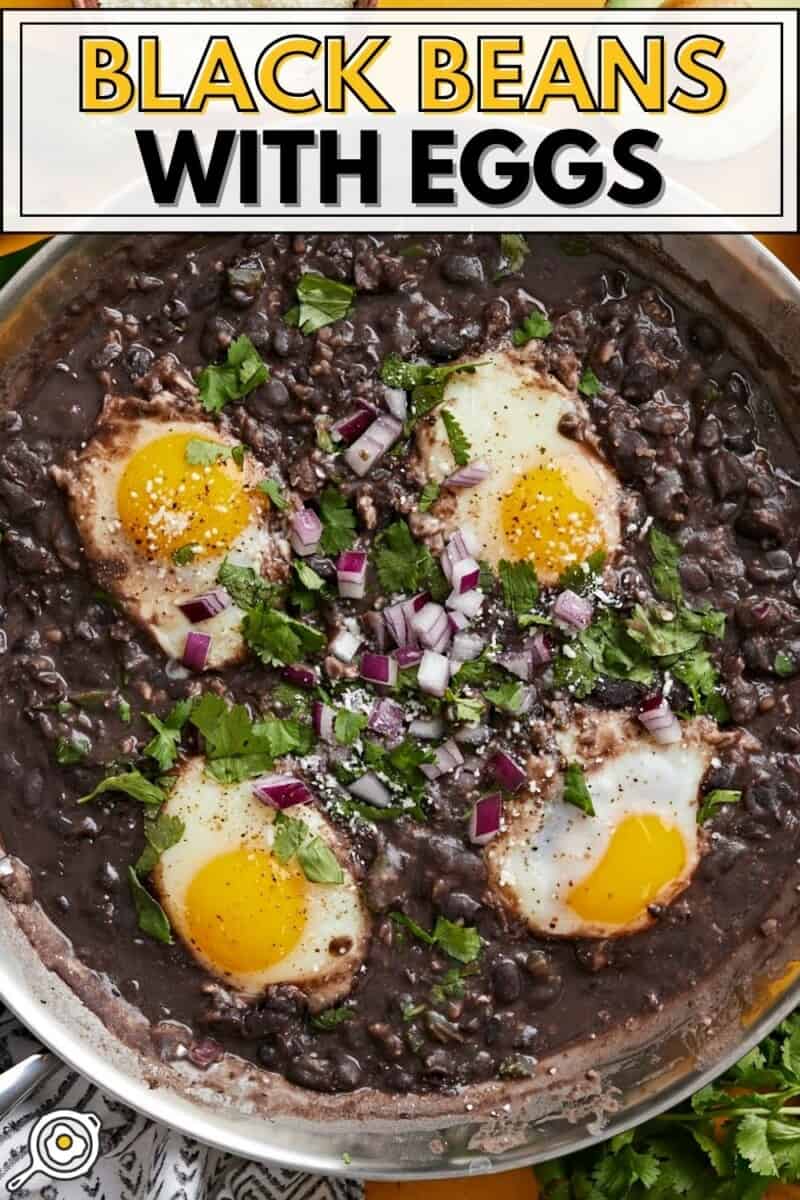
(150, 588)
(510, 413)
(549, 846)
(219, 818)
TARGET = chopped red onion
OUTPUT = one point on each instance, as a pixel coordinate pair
(429, 729)
(306, 530)
(466, 575)
(345, 645)
(434, 673)
(473, 735)
(322, 719)
(281, 791)
(196, 651)
(463, 544)
(469, 476)
(203, 607)
(301, 675)
(469, 603)
(519, 663)
(432, 627)
(447, 758)
(396, 401)
(386, 717)
(353, 425)
(486, 819)
(572, 612)
(399, 618)
(379, 668)
(458, 621)
(376, 628)
(407, 656)
(466, 646)
(508, 773)
(371, 790)
(541, 651)
(659, 720)
(351, 574)
(364, 453)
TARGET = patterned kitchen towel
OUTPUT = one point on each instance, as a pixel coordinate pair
(138, 1159)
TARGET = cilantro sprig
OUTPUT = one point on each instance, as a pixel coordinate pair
(461, 942)
(460, 446)
(535, 326)
(404, 565)
(320, 302)
(425, 382)
(242, 372)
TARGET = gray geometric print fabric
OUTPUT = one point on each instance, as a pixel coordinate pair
(139, 1160)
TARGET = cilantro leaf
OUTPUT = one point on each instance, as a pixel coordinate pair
(697, 670)
(425, 382)
(468, 709)
(507, 696)
(164, 746)
(235, 748)
(245, 588)
(185, 554)
(535, 325)
(583, 577)
(338, 522)
(202, 453)
(130, 783)
(458, 440)
(242, 372)
(331, 1018)
(783, 664)
(575, 790)
(316, 860)
(278, 639)
(404, 565)
(125, 711)
(666, 555)
(421, 934)
(271, 488)
(348, 726)
(321, 301)
(520, 585)
(605, 648)
(161, 833)
(714, 800)
(514, 249)
(428, 496)
(151, 917)
(752, 1142)
(589, 384)
(289, 837)
(73, 749)
(461, 942)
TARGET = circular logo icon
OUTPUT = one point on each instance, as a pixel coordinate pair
(62, 1145)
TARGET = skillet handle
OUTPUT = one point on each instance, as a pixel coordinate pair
(19, 1081)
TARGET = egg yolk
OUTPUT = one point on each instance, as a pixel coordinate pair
(165, 503)
(643, 856)
(546, 522)
(245, 910)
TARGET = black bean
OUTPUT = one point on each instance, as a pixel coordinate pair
(506, 982)
(138, 360)
(727, 474)
(639, 382)
(311, 1071)
(458, 906)
(462, 269)
(705, 337)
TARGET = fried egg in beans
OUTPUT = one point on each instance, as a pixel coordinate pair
(158, 527)
(550, 500)
(250, 919)
(569, 874)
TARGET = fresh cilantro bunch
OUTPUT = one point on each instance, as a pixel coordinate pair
(735, 1138)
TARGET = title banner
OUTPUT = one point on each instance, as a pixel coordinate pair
(406, 120)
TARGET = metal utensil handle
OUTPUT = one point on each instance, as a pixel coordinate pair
(19, 1081)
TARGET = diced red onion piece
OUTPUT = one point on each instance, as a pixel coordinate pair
(407, 656)
(386, 717)
(541, 652)
(458, 621)
(508, 773)
(659, 720)
(469, 603)
(351, 574)
(203, 607)
(395, 619)
(572, 612)
(473, 735)
(301, 675)
(466, 575)
(434, 673)
(466, 646)
(306, 530)
(196, 650)
(429, 729)
(463, 544)
(371, 790)
(376, 628)
(322, 719)
(446, 758)
(519, 663)
(353, 425)
(364, 453)
(486, 819)
(469, 476)
(396, 401)
(379, 668)
(432, 627)
(345, 645)
(281, 791)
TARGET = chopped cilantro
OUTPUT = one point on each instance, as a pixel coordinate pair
(575, 790)
(426, 383)
(289, 836)
(244, 586)
(185, 554)
(404, 565)
(663, 634)
(338, 522)
(349, 806)
(348, 726)
(307, 577)
(461, 942)
(161, 832)
(323, 437)
(589, 384)
(130, 783)
(535, 325)
(202, 453)
(714, 800)
(237, 747)
(320, 302)
(331, 1018)
(125, 711)
(278, 639)
(605, 648)
(458, 440)
(520, 585)
(164, 746)
(468, 709)
(151, 917)
(666, 556)
(428, 496)
(73, 749)
(514, 249)
(271, 488)
(317, 862)
(451, 985)
(783, 664)
(583, 577)
(410, 1012)
(508, 696)
(697, 670)
(477, 672)
(242, 372)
